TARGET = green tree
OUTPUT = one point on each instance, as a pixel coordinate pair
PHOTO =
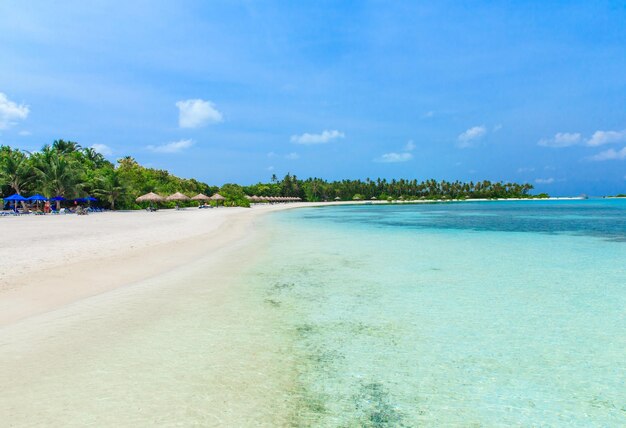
(57, 173)
(234, 195)
(15, 169)
(110, 187)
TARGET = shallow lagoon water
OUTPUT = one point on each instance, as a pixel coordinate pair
(472, 314)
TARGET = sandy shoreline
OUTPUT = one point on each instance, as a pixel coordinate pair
(168, 335)
(54, 261)
(133, 335)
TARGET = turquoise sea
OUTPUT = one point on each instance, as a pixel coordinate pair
(458, 314)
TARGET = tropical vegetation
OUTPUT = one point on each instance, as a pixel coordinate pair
(66, 169)
(317, 189)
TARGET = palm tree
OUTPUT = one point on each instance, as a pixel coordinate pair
(111, 187)
(93, 156)
(15, 169)
(57, 173)
(65, 147)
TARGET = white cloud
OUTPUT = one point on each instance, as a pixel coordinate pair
(173, 147)
(428, 114)
(394, 157)
(525, 169)
(196, 113)
(270, 168)
(544, 180)
(323, 138)
(292, 156)
(103, 149)
(24, 133)
(600, 138)
(10, 112)
(474, 133)
(561, 139)
(497, 127)
(610, 154)
(271, 155)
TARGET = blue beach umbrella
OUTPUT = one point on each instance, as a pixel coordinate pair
(16, 197)
(37, 197)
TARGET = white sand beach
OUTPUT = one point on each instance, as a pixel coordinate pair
(105, 319)
(48, 262)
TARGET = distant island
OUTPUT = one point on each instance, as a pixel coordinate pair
(66, 169)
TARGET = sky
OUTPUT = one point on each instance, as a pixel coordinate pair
(227, 91)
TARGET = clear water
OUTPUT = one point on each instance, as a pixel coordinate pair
(472, 314)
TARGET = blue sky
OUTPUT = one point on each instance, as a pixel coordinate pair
(229, 91)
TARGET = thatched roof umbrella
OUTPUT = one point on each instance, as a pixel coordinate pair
(217, 197)
(150, 197)
(200, 197)
(177, 197)
(337, 198)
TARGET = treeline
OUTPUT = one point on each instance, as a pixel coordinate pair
(317, 189)
(69, 170)
(66, 169)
